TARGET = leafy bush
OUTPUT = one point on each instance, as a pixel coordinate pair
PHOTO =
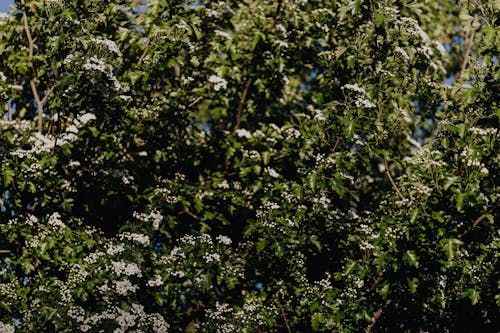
(249, 166)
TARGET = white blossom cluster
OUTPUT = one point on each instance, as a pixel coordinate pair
(45, 143)
(155, 282)
(218, 82)
(113, 249)
(483, 131)
(78, 275)
(124, 287)
(109, 44)
(99, 65)
(426, 158)
(225, 319)
(134, 318)
(138, 238)
(56, 222)
(361, 100)
(468, 157)
(7, 328)
(154, 218)
(123, 268)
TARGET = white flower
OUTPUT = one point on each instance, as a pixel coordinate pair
(243, 133)
(223, 34)
(123, 268)
(84, 119)
(219, 83)
(109, 44)
(55, 221)
(7, 328)
(156, 282)
(353, 87)
(115, 249)
(402, 52)
(124, 287)
(224, 240)
(72, 129)
(271, 172)
(139, 238)
(364, 103)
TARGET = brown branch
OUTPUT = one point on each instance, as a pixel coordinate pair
(283, 315)
(377, 314)
(476, 222)
(189, 213)
(468, 47)
(336, 145)
(377, 281)
(393, 183)
(193, 103)
(242, 104)
(47, 94)
(277, 15)
(34, 90)
(10, 109)
(4, 251)
(143, 55)
(39, 104)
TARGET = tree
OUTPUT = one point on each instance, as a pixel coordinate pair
(249, 166)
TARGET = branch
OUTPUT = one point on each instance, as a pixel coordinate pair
(336, 145)
(28, 34)
(242, 104)
(4, 251)
(47, 94)
(39, 102)
(377, 314)
(283, 315)
(393, 183)
(476, 222)
(377, 280)
(9, 106)
(277, 15)
(143, 55)
(193, 103)
(468, 47)
(189, 213)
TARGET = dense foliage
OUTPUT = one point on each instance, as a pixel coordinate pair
(249, 166)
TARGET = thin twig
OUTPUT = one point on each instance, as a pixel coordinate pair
(277, 15)
(377, 281)
(283, 315)
(143, 55)
(336, 145)
(4, 251)
(476, 222)
(468, 47)
(193, 103)
(39, 103)
(31, 42)
(393, 183)
(241, 104)
(9, 106)
(47, 94)
(377, 314)
(189, 213)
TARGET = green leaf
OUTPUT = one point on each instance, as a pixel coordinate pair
(460, 201)
(266, 156)
(261, 245)
(312, 180)
(316, 321)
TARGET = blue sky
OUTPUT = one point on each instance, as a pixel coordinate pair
(5, 5)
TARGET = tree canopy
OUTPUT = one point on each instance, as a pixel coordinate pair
(249, 166)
